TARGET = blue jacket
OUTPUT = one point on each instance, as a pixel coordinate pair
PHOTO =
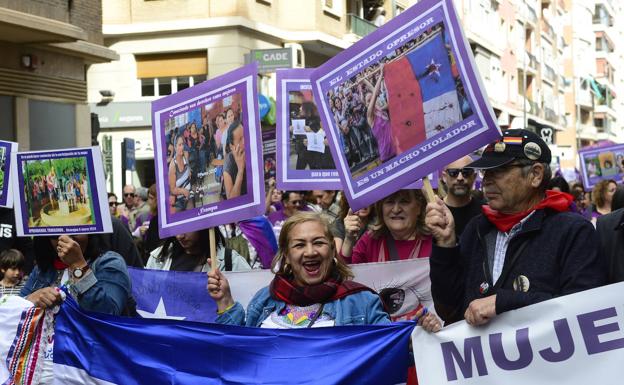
(107, 292)
(556, 252)
(362, 308)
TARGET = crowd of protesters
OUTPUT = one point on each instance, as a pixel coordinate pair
(523, 237)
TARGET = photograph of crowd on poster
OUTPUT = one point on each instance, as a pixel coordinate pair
(305, 158)
(205, 150)
(405, 98)
(58, 193)
(208, 156)
(6, 181)
(602, 163)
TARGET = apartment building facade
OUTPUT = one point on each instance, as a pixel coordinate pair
(167, 45)
(46, 46)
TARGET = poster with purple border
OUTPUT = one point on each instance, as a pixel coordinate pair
(7, 178)
(60, 192)
(301, 167)
(208, 154)
(602, 163)
(403, 102)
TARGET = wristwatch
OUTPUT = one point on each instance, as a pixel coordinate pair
(80, 271)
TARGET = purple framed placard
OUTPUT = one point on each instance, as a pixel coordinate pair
(7, 178)
(301, 165)
(208, 154)
(403, 102)
(602, 163)
(60, 192)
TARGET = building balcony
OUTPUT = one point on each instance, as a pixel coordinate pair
(550, 115)
(584, 98)
(359, 26)
(548, 31)
(587, 131)
(532, 61)
(530, 14)
(548, 73)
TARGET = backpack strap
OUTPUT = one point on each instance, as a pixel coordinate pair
(228, 259)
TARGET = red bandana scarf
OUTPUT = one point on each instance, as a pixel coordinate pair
(555, 200)
(284, 289)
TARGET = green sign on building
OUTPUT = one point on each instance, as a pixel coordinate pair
(271, 59)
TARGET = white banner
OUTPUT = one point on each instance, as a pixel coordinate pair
(575, 339)
(404, 285)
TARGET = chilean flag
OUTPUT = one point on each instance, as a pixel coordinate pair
(98, 349)
(422, 93)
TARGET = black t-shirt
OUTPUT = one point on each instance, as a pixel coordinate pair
(464, 214)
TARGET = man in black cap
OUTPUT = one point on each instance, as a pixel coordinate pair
(524, 248)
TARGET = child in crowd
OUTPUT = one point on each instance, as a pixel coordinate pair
(12, 270)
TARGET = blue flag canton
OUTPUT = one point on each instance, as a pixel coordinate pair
(432, 67)
(174, 295)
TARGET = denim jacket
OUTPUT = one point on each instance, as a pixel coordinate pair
(106, 290)
(362, 308)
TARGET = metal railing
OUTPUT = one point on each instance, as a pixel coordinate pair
(531, 14)
(359, 26)
(532, 60)
(549, 73)
(550, 115)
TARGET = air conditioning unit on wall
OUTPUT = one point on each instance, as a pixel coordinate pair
(297, 54)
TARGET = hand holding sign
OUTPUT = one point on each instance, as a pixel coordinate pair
(441, 223)
(219, 289)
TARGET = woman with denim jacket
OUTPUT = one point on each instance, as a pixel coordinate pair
(96, 277)
(311, 287)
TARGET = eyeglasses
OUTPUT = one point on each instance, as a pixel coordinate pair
(129, 195)
(466, 172)
(112, 204)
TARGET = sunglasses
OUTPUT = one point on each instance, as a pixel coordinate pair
(466, 172)
(296, 203)
(129, 195)
(112, 204)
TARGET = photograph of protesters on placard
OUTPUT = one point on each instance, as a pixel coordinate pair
(411, 95)
(608, 166)
(206, 155)
(57, 192)
(592, 165)
(309, 149)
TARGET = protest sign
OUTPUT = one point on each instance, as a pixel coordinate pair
(573, 340)
(208, 154)
(305, 161)
(7, 180)
(602, 164)
(60, 192)
(403, 285)
(402, 102)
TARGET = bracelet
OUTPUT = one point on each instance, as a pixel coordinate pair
(226, 309)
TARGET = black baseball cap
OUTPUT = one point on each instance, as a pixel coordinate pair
(515, 144)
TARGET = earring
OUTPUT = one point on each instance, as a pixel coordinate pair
(287, 269)
(335, 261)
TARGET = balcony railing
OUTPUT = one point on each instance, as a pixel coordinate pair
(531, 14)
(359, 26)
(535, 110)
(548, 30)
(532, 60)
(550, 115)
(549, 73)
